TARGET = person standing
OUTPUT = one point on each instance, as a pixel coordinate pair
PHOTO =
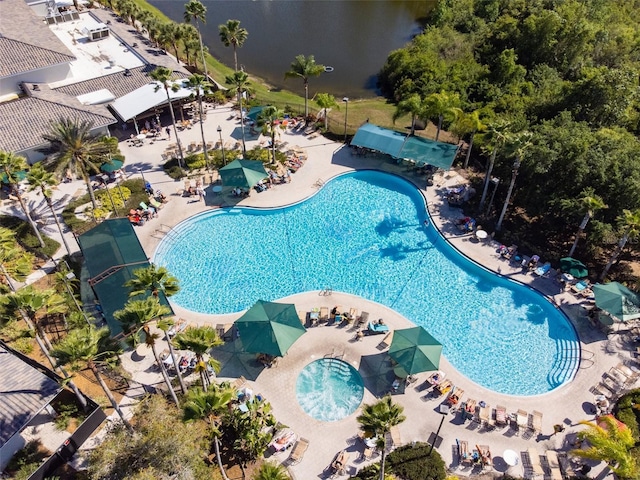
(168, 130)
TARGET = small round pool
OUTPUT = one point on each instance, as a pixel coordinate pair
(329, 389)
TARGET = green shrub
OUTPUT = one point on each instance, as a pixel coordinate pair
(413, 462)
(27, 460)
(195, 161)
(23, 345)
(627, 411)
(27, 239)
(176, 173)
(66, 411)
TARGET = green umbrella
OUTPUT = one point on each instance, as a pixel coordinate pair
(242, 173)
(19, 175)
(573, 267)
(415, 350)
(254, 112)
(112, 166)
(617, 300)
(270, 328)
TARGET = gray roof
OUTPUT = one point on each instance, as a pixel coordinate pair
(24, 392)
(26, 42)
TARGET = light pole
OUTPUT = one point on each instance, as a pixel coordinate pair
(142, 175)
(444, 410)
(514, 174)
(346, 114)
(224, 159)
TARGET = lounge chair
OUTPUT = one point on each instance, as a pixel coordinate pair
(463, 451)
(177, 327)
(566, 467)
(353, 314)
(633, 375)
(324, 314)
(536, 422)
(386, 341)
(442, 388)
(225, 331)
(470, 408)
(339, 464)
(394, 436)
(239, 382)
(534, 463)
(154, 203)
(377, 328)
(522, 421)
(484, 416)
(435, 378)
(501, 416)
(543, 269)
(363, 318)
(485, 456)
(282, 440)
(454, 397)
(553, 465)
(617, 376)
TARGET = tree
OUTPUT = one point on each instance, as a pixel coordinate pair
(468, 124)
(590, 203)
(439, 105)
(153, 280)
(13, 169)
(200, 85)
(233, 35)
(412, 105)
(199, 340)
(163, 75)
(40, 179)
(15, 263)
(196, 11)
(269, 120)
(609, 441)
(165, 324)
(630, 223)
(494, 139)
(304, 67)
(271, 471)
(74, 148)
(89, 347)
(376, 421)
(136, 317)
(240, 81)
(250, 430)
(325, 101)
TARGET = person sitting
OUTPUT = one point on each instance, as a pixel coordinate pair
(380, 321)
(453, 399)
(135, 218)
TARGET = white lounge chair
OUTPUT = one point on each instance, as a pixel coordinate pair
(297, 453)
(554, 465)
(534, 463)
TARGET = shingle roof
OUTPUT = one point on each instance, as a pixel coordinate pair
(26, 42)
(24, 391)
(116, 83)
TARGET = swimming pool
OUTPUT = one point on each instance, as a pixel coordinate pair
(329, 389)
(363, 233)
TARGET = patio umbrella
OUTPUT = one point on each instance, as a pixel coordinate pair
(270, 328)
(242, 173)
(254, 112)
(112, 166)
(573, 267)
(617, 300)
(20, 175)
(415, 350)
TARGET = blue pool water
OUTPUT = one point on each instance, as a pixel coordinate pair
(329, 389)
(363, 233)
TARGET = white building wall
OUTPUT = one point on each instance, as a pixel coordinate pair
(55, 73)
(9, 449)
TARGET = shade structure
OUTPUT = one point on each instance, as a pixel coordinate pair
(573, 267)
(269, 327)
(254, 112)
(415, 350)
(617, 300)
(112, 166)
(242, 173)
(20, 175)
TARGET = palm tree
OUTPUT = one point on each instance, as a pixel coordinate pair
(590, 203)
(40, 179)
(304, 67)
(376, 421)
(196, 11)
(325, 101)
(210, 406)
(174, 33)
(199, 340)
(519, 144)
(136, 317)
(162, 75)
(153, 280)
(271, 471)
(630, 223)
(15, 263)
(494, 138)
(468, 124)
(75, 148)
(240, 81)
(413, 105)
(13, 169)
(609, 441)
(165, 324)
(439, 105)
(233, 35)
(269, 120)
(200, 86)
(89, 347)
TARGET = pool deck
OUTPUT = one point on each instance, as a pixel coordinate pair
(566, 405)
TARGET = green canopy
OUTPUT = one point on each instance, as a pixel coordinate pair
(112, 166)
(617, 300)
(415, 350)
(242, 173)
(20, 175)
(573, 267)
(270, 328)
(254, 112)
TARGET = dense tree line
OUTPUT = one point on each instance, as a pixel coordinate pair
(565, 72)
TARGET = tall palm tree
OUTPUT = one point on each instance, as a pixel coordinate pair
(413, 105)
(271, 471)
(196, 11)
(240, 81)
(200, 85)
(153, 280)
(468, 124)
(494, 139)
(518, 145)
(74, 148)
(211, 406)
(89, 347)
(174, 33)
(163, 75)
(590, 203)
(376, 421)
(15, 263)
(40, 179)
(326, 101)
(269, 120)
(233, 35)
(609, 441)
(304, 67)
(630, 223)
(166, 324)
(136, 317)
(439, 105)
(199, 340)
(13, 168)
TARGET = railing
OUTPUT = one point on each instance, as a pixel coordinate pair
(326, 292)
(111, 270)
